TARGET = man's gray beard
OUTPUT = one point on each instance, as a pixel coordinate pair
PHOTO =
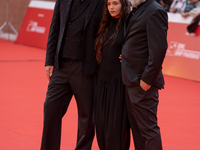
(135, 3)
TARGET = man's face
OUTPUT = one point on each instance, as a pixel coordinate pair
(135, 3)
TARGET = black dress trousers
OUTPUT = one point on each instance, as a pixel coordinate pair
(142, 114)
(69, 80)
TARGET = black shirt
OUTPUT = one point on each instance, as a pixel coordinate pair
(110, 65)
(72, 46)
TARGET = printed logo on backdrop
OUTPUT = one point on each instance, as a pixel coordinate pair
(178, 49)
(33, 27)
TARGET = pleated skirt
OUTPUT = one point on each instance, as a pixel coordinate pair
(111, 121)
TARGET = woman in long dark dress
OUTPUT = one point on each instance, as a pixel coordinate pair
(111, 120)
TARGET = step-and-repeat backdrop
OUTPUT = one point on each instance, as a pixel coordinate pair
(183, 53)
(35, 27)
(182, 57)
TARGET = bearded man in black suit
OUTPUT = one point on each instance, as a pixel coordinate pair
(143, 52)
(71, 68)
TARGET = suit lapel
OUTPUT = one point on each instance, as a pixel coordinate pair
(81, 9)
(92, 7)
(133, 18)
(67, 6)
(136, 14)
(127, 21)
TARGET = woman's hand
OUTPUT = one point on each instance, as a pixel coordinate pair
(120, 57)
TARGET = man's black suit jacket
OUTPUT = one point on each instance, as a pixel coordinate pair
(58, 27)
(145, 45)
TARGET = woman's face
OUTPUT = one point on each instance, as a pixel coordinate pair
(114, 8)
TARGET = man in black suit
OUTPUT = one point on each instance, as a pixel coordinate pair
(143, 52)
(71, 68)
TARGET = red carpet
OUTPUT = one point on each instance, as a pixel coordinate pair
(22, 92)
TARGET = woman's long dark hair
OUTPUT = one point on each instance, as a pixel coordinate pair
(105, 25)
